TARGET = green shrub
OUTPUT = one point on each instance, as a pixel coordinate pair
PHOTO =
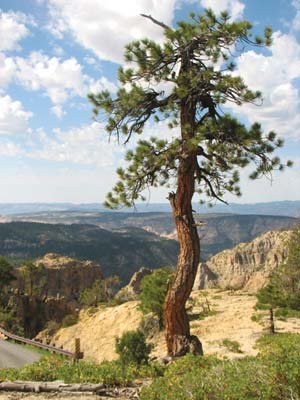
(232, 345)
(69, 320)
(132, 348)
(273, 375)
(154, 288)
(107, 373)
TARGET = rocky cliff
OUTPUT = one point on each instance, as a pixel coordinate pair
(49, 289)
(246, 266)
(59, 276)
(133, 289)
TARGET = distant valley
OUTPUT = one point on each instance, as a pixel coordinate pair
(123, 242)
(119, 252)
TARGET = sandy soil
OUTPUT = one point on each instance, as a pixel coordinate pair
(231, 321)
(98, 331)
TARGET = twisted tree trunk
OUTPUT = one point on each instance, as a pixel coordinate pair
(178, 338)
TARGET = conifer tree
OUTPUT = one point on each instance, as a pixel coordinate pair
(185, 81)
(283, 289)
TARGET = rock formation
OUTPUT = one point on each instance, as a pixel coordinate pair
(132, 290)
(60, 276)
(33, 312)
(49, 290)
(246, 266)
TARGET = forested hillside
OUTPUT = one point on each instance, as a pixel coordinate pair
(217, 231)
(119, 252)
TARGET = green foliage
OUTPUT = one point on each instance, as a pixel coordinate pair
(54, 368)
(9, 318)
(283, 290)
(101, 292)
(218, 143)
(29, 271)
(69, 320)
(274, 374)
(10, 321)
(232, 345)
(132, 348)
(154, 288)
(6, 272)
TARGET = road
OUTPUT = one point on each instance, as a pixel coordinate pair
(14, 356)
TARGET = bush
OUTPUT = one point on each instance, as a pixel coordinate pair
(107, 373)
(154, 288)
(132, 348)
(149, 325)
(232, 345)
(273, 375)
(69, 320)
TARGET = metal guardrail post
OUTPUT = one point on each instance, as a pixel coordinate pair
(78, 354)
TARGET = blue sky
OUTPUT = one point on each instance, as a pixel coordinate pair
(54, 52)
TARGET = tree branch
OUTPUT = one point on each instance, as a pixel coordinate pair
(155, 21)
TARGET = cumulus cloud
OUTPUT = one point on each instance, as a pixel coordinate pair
(87, 145)
(7, 69)
(58, 79)
(234, 7)
(274, 75)
(106, 26)
(296, 20)
(13, 119)
(9, 148)
(58, 111)
(13, 29)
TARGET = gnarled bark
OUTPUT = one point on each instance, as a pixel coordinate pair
(178, 337)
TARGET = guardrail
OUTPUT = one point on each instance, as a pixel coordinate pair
(19, 339)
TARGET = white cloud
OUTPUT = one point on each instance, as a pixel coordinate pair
(7, 69)
(103, 83)
(13, 119)
(234, 7)
(274, 76)
(58, 111)
(57, 79)
(23, 182)
(87, 145)
(106, 26)
(9, 148)
(296, 20)
(12, 29)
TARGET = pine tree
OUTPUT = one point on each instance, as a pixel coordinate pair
(185, 81)
(283, 289)
(154, 288)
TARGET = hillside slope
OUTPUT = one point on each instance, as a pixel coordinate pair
(218, 231)
(120, 252)
(231, 321)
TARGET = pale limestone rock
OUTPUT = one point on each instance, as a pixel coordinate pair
(132, 290)
(246, 266)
